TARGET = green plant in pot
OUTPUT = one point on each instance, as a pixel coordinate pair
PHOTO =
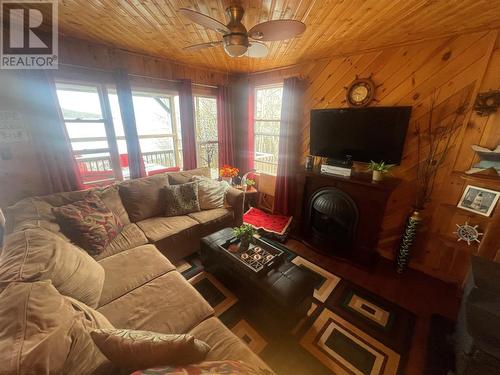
(245, 234)
(250, 183)
(379, 169)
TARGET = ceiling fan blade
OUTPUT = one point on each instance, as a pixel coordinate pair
(276, 30)
(257, 50)
(197, 47)
(204, 20)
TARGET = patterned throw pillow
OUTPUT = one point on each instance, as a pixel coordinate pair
(209, 368)
(134, 350)
(182, 199)
(89, 223)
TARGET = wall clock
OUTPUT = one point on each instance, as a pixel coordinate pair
(360, 92)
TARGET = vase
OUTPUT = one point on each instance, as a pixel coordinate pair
(377, 176)
(244, 244)
(229, 180)
(407, 240)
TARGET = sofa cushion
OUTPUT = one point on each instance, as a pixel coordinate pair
(176, 178)
(157, 228)
(134, 349)
(89, 223)
(207, 216)
(31, 213)
(41, 332)
(143, 197)
(211, 193)
(213, 220)
(224, 344)
(181, 199)
(131, 269)
(36, 212)
(37, 254)
(131, 236)
(167, 304)
(111, 198)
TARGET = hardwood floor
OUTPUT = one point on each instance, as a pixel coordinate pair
(415, 291)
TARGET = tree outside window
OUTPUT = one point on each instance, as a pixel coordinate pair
(207, 140)
(267, 115)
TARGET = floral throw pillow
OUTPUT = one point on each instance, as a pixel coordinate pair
(182, 199)
(89, 223)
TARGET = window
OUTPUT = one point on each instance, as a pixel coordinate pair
(91, 132)
(158, 128)
(207, 146)
(267, 114)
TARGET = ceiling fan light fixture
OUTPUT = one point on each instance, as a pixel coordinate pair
(235, 45)
(235, 50)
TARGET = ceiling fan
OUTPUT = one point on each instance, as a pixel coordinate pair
(237, 41)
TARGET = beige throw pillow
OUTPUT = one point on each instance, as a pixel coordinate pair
(37, 254)
(143, 197)
(211, 193)
(138, 350)
(181, 199)
(44, 333)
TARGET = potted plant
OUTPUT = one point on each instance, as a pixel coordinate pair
(379, 169)
(245, 234)
(249, 183)
(434, 141)
(227, 173)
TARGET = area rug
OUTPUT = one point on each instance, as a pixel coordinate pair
(270, 223)
(348, 330)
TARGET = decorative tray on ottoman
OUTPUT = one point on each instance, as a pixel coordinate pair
(259, 257)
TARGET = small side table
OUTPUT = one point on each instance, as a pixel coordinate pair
(251, 196)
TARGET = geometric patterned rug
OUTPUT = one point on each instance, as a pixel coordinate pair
(348, 330)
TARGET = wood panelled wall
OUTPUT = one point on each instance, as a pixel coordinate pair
(75, 52)
(448, 68)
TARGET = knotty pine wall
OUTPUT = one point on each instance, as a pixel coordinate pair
(408, 75)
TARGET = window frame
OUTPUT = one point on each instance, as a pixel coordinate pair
(255, 120)
(176, 135)
(199, 144)
(106, 119)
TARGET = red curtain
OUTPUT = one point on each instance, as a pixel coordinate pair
(124, 93)
(291, 115)
(187, 125)
(48, 132)
(225, 127)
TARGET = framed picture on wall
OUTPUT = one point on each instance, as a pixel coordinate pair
(479, 200)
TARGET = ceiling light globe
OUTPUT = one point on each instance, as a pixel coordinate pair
(235, 50)
(236, 44)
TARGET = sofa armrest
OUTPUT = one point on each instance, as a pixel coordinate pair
(236, 199)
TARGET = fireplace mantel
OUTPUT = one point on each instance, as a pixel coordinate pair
(370, 199)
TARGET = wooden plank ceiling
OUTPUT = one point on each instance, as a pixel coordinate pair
(334, 27)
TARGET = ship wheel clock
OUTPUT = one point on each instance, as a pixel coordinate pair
(468, 233)
(361, 92)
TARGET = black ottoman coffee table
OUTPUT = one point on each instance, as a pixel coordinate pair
(284, 290)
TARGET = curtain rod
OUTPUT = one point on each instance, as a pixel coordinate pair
(134, 75)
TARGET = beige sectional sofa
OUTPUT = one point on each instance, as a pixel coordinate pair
(132, 284)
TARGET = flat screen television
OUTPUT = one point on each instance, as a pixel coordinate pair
(361, 134)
